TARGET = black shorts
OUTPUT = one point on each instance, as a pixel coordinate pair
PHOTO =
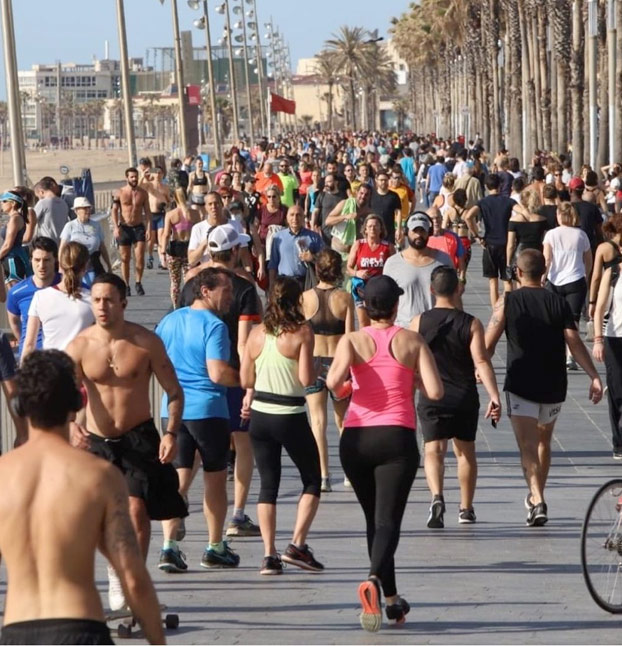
(135, 453)
(56, 631)
(211, 437)
(235, 396)
(494, 261)
(131, 235)
(438, 423)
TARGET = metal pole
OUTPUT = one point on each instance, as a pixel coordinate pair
(212, 87)
(592, 20)
(611, 90)
(246, 76)
(12, 90)
(259, 58)
(232, 84)
(179, 75)
(125, 86)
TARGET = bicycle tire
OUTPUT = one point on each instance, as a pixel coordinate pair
(601, 547)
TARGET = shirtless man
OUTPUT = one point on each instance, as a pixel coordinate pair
(131, 219)
(115, 360)
(159, 201)
(51, 598)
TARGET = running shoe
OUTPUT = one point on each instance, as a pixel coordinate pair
(150, 262)
(528, 503)
(245, 527)
(181, 529)
(571, 364)
(346, 483)
(371, 611)
(397, 612)
(436, 519)
(213, 559)
(172, 560)
(326, 486)
(116, 598)
(537, 515)
(617, 454)
(271, 565)
(467, 516)
(302, 558)
(139, 289)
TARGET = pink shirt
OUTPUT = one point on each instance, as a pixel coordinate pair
(382, 388)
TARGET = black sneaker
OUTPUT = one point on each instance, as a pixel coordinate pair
(271, 565)
(139, 289)
(537, 515)
(467, 516)
(302, 558)
(528, 503)
(172, 561)
(150, 262)
(437, 513)
(245, 527)
(397, 611)
(128, 291)
(213, 559)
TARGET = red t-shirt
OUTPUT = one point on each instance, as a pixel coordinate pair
(372, 259)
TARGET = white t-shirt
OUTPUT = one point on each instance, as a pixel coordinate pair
(198, 234)
(62, 317)
(568, 244)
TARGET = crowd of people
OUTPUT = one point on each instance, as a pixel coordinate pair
(320, 264)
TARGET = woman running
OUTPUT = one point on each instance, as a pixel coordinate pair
(330, 312)
(378, 448)
(278, 364)
(13, 254)
(199, 183)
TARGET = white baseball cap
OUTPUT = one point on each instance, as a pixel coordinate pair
(225, 237)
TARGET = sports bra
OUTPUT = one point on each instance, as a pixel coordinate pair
(199, 181)
(607, 264)
(183, 225)
(324, 321)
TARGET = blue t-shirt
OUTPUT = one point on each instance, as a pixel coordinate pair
(408, 168)
(18, 303)
(435, 175)
(192, 337)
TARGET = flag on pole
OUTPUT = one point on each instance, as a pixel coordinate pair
(281, 104)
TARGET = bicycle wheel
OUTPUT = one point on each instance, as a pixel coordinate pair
(601, 547)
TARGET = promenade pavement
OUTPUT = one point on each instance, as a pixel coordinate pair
(497, 581)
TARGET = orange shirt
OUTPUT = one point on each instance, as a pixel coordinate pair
(264, 183)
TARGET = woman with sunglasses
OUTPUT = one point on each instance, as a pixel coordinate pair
(13, 255)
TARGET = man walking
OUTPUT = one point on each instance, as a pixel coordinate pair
(387, 204)
(538, 325)
(51, 210)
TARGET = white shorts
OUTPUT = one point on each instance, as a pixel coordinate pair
(544, 413)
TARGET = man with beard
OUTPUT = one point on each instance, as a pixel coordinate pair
(131, 219)
(412, 269)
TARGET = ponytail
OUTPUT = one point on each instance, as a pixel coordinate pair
(73, 261)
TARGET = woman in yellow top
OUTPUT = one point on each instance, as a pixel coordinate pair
(278, 364)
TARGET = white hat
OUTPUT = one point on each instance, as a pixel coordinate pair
(82, 203)
(225, 237)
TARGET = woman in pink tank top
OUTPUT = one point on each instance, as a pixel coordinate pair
(378, 448)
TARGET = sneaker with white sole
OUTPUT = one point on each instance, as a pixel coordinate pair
(116, 598)
(467, 516)
(537, 516)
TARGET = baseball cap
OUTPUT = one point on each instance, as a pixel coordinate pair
(381, 293)
(82, 203)
(236, 205)
(576, 184)
(225, 237)
(417, 220)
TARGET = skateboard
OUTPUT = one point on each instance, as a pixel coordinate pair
(128, 621)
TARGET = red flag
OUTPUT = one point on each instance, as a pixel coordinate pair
(281, 104)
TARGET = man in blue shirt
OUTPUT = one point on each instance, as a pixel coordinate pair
(44, 260)
(293, 248)
(408, 168)
(197, 341)
(434, 180)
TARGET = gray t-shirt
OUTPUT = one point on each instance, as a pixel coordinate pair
(415, 281)
(52, 215)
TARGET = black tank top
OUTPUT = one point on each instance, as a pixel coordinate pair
(324, 321)
(616, 259)
(448, 333)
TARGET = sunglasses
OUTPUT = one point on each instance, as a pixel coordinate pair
(272, 197)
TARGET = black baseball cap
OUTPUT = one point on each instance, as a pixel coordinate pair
(382, 293)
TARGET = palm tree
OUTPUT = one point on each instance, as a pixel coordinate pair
(379, 79)
(326, 68)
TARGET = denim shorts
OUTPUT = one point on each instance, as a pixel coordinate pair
(322, 366)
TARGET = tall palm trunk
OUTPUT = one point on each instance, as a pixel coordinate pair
(514, 67)
(603, 97)
(545, 91)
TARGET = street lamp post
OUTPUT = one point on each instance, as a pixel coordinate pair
(203, 23)
(224, 8)
(240, 9)
(260, 78)
(179, 74)
(125, 86)
(592, 20)
(18, 156)
(612, 30)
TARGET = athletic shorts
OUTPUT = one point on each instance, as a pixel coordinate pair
(544, 413)
(321, 366)
(131, 235)
(211, 437)
(235, 396)
(438, 423)
(136, 454)
(494, 261)
(157, 221)
(56, 631)
(197, 198)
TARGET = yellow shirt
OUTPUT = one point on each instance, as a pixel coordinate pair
(402, 193)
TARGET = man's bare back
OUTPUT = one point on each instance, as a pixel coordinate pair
(132, 201)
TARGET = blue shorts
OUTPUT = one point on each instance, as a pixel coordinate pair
(235, 395)
(157, 221)
(321, 366)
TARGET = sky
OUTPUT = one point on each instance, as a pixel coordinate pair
(75, 30)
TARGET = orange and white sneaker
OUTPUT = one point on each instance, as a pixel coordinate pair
(371, 614)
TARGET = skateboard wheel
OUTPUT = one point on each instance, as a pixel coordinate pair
(171, 621)
(124, 631)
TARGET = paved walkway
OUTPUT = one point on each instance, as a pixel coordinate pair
(493, 582)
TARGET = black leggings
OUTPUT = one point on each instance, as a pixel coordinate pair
(271, 432)
(573, 293)
(613, 363)
(381, 463)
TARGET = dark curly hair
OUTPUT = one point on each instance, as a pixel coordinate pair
(329, 267)
(284, 311)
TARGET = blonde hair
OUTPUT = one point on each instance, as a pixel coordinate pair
(73, 261)
(449, 180)
(567, 214)
(530, 199)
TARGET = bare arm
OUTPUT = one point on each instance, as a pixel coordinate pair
(548, 258)
(306, 371)
(470, 219)
(221, 373)
(587, 261)
(496, 325)
(597, 274)
(598, 351)
(335, 216)
(120, 546)
(351, 264)
(350, 316)
(247, 367)
(166, 234)
(431, 383)
(511, 245)
(9, 239)
(483, 367)
(340, 366)
(582, 356)
(30, 226)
